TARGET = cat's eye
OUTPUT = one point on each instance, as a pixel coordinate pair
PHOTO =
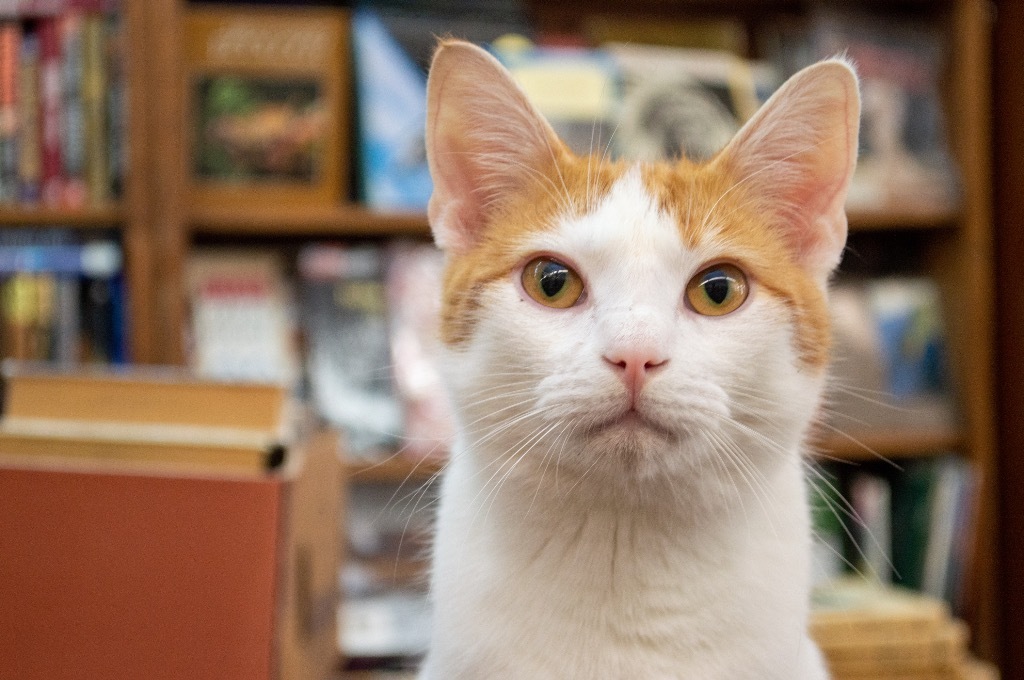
(717, 290)
(552, 283)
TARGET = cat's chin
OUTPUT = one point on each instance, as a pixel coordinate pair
(630, 436)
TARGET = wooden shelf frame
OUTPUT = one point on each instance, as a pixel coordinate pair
(111, 217)
(354, 220)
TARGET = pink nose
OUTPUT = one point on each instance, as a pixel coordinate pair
(634, 367)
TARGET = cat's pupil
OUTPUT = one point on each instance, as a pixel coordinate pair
(553, 278)
(716, 287)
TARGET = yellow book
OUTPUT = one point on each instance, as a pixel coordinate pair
(139, 447)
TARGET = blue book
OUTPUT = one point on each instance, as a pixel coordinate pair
(392, 111)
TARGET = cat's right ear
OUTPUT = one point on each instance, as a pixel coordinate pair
(485, 142)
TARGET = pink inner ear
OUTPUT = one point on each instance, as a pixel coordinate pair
(484, 141)
(799, 152)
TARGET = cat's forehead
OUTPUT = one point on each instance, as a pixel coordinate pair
(629, 222)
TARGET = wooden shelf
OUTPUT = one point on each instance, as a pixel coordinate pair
(86, 218)
(340, 220)
(355, 220)
(853, 447)
(887, 445)
(880, 220)
(393, 470)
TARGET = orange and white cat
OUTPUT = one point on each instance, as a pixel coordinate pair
(635, 353)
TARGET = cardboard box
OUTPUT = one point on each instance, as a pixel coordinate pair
(119, 575)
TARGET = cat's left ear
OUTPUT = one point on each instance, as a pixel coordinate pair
(797, 155)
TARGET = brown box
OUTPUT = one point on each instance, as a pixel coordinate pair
(267, 105)
(117, 575)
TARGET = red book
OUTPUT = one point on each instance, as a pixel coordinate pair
(10, 50)
(50, 104)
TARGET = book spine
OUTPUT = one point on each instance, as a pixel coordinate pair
(94, 85)
(117, 148)
(68, 328)
(29, 142)
(101, 300)
(72, 115)
(19, 311)
(50, 102)
(10, 49)
(44, 329)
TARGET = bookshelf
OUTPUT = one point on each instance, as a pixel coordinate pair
(127, 214)
(159, 225)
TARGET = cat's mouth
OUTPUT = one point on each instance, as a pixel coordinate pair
(632, 421)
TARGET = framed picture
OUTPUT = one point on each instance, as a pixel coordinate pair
(266, 106)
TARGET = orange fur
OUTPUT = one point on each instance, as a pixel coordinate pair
(706, 201)
(500, 249)
(685, 191)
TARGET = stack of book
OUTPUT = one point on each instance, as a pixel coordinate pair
(61, 103)
(144, 420)
(154, 525)
(867, 631)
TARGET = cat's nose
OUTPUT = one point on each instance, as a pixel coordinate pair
(635, 367)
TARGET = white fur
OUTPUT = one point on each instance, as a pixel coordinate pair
(679, 550)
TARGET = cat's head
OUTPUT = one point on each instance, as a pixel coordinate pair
(634, 320)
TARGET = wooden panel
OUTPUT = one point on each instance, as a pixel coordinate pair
(164, 172)
(137, 246)
(341, 220)
(1009, 178)
(884, 445)
(354, 220)
(103, 217)
(964, 270)
(393, 470)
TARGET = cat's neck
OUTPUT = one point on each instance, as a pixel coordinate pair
(674, 576)
(551, 505)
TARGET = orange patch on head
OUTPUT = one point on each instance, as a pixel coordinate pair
(567, 185)
(707, 204)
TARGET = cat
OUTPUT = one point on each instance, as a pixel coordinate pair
(634, 353)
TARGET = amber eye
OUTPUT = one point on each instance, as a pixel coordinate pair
(552, 283)
(717, 290)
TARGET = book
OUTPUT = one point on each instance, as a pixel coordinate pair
(241, 324)
(868, 630)
(414, 275)
(30, 9)
(140, 395)
(904, 161)
(391, 97)
(343, 308)
(29, 140)
(870, 498)
(72, 114)
(10, 56)
(704, 33)
(94, 109)
(51, 100)
(684, 102)
(855, 609)
(890, 367)
(576, 89)
(116, 104)
(139, 447)
(144, 419)
(266, 104)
